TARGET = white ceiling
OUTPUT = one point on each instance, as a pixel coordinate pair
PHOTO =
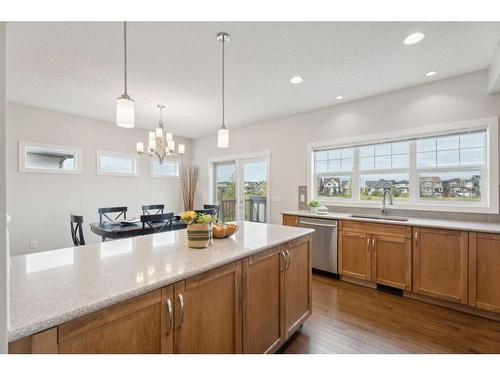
(77, 67)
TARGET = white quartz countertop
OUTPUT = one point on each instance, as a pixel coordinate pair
(52, 287)
(473, 226)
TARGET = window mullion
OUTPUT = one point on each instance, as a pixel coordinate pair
(355, 176)
(413, 173)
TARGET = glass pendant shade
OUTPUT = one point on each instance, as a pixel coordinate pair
(140, 147)
(223, 138)
(171, 145)
(182, 148)
(169, 137)
(152, 141)
(125, 117)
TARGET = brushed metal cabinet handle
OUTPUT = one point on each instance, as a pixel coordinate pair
(416, 238)
(288, 257)
(368, 243)
(373, 243)
(283, 265)
(181, 303)
(170, 316)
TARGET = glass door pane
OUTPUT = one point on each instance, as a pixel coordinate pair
(254, 190)
(225, 190)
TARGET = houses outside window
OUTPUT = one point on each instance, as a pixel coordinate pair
(450, 167)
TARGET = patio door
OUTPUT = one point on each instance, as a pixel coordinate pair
(241, 188)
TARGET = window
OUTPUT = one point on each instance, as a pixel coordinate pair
(169, 168)
(333, 172)
(450, 167)
(117, 164)
(384, 166)
(49, 158)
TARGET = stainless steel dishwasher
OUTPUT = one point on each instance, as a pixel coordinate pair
(324, 243)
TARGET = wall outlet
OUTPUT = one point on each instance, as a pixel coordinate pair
(33, 244)
(302, 197)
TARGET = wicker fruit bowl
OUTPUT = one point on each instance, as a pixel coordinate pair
(224, 230)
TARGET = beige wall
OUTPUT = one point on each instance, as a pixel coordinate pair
(460, 98)
(40, 203)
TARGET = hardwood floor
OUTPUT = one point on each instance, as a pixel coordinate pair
(353, 319)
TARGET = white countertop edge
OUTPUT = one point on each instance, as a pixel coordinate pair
(36, 327)
(472, 226)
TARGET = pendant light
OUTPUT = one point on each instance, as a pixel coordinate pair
(125, 117)
(223, 133)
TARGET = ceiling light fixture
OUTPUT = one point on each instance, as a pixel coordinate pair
(160, 144)
(223, 132)
(339, 97)
(296, 80)
(125, 106)
(414, 38)
(431, 73)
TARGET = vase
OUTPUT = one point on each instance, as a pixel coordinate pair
(199, 235)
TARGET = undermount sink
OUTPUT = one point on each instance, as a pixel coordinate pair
(380, 217)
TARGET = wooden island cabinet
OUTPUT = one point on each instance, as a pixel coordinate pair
(252, 305)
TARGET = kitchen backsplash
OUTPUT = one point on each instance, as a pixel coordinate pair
(488, 218)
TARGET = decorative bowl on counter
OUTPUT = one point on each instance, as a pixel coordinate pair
(224, 230)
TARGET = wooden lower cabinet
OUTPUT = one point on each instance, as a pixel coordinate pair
(263, 302)
(297, 284)
(391, 261)
(291, 220)
(354, 255)
(440, 263)
(484, 271)
(376, 253)
(208, 312)
(129, 327)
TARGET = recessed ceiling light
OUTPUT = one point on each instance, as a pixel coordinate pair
(339, 97)
(296, 80)
(414, 38)
(431, 73)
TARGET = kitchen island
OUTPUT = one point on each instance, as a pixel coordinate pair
(152, 294)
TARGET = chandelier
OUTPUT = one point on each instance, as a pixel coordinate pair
(161, 144)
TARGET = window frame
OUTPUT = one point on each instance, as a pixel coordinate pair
(151, 169)
(489, 202)
(22, 158)
(135, 157)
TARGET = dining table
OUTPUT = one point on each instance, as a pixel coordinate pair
(118, 229)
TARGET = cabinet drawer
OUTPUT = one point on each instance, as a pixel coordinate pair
(378, 229)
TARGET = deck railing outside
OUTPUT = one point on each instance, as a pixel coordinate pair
(255, 209)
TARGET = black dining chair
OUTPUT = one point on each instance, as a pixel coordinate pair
(146, 209)
(103, 214)
(76, 222)
(148, 220)
(212, 207)
(208, 211)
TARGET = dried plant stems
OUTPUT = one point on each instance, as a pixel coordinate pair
(189, 179)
